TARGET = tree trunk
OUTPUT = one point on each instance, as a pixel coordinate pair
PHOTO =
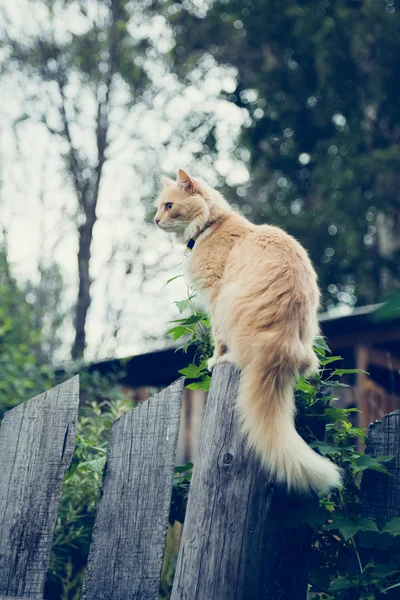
(90, 194)
(84, 297)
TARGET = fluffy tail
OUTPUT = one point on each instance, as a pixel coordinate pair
(266, 409)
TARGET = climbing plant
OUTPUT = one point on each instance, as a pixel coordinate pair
(354, 557)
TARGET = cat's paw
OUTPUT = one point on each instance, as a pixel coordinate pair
(225, 358)
(211, 363)
(217, 360)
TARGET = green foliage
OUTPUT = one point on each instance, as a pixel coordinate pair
(22, 374)
(47, 300)
(354, 557)
(180, 491)
(318, 81)
(194, 328)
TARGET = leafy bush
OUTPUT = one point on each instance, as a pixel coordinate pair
(22, 375)
(194, 328)
(353, 557)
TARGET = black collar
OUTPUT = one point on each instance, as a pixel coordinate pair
(192, 241)
(190, 244)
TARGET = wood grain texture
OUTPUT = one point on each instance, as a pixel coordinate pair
(233, 544)
(380, 493)
(129, 535)
(37, 441)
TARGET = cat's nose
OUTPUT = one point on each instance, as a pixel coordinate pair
(156, 221)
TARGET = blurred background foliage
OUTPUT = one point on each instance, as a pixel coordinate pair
(289, 107)
(23, 375)
(318, 79)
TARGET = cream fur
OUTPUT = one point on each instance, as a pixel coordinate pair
(262, 293)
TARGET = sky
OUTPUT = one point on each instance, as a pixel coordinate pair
(38, 208)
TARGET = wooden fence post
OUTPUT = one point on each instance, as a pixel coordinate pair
(129, 534)
(233, 546)
(380, 493)
(37, 441)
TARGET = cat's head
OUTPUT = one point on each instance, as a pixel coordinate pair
(186, 205)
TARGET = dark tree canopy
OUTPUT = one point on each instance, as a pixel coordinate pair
(320, 81)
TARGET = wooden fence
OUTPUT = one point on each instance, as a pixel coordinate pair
(232, 547)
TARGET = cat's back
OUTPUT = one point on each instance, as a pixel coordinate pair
(269, 255)
(266, 236)
(273, 245)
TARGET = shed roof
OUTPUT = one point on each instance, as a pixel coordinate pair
(160, 367)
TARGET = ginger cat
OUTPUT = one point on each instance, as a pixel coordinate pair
(261, 291)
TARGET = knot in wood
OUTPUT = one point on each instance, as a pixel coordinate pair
(228, 458)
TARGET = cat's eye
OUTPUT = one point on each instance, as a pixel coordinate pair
(169, 205)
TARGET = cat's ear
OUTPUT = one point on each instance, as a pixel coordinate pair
(166, 181)
(186, 182)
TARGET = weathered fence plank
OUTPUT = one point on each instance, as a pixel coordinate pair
(230, 548)
(129, 536)
(380, 493)
(37, 441)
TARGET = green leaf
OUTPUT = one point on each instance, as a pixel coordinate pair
(177, 332)
(96, 465)
(340, 416)
(340, 584)
(172, 279)
(98, 449)
(349, 528)
(183, 304)
(337, 384)
(184, 468)
(366, 461)
(384, 459)
(392, 527)
(320, 346)
(330, 359)
(325, 448)
(335, 414)
(346, 527)
(192, 371)
(303, 386)
(367, 524)
(204, 384)
(189, 320)
(194, 319)
(340, 372)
